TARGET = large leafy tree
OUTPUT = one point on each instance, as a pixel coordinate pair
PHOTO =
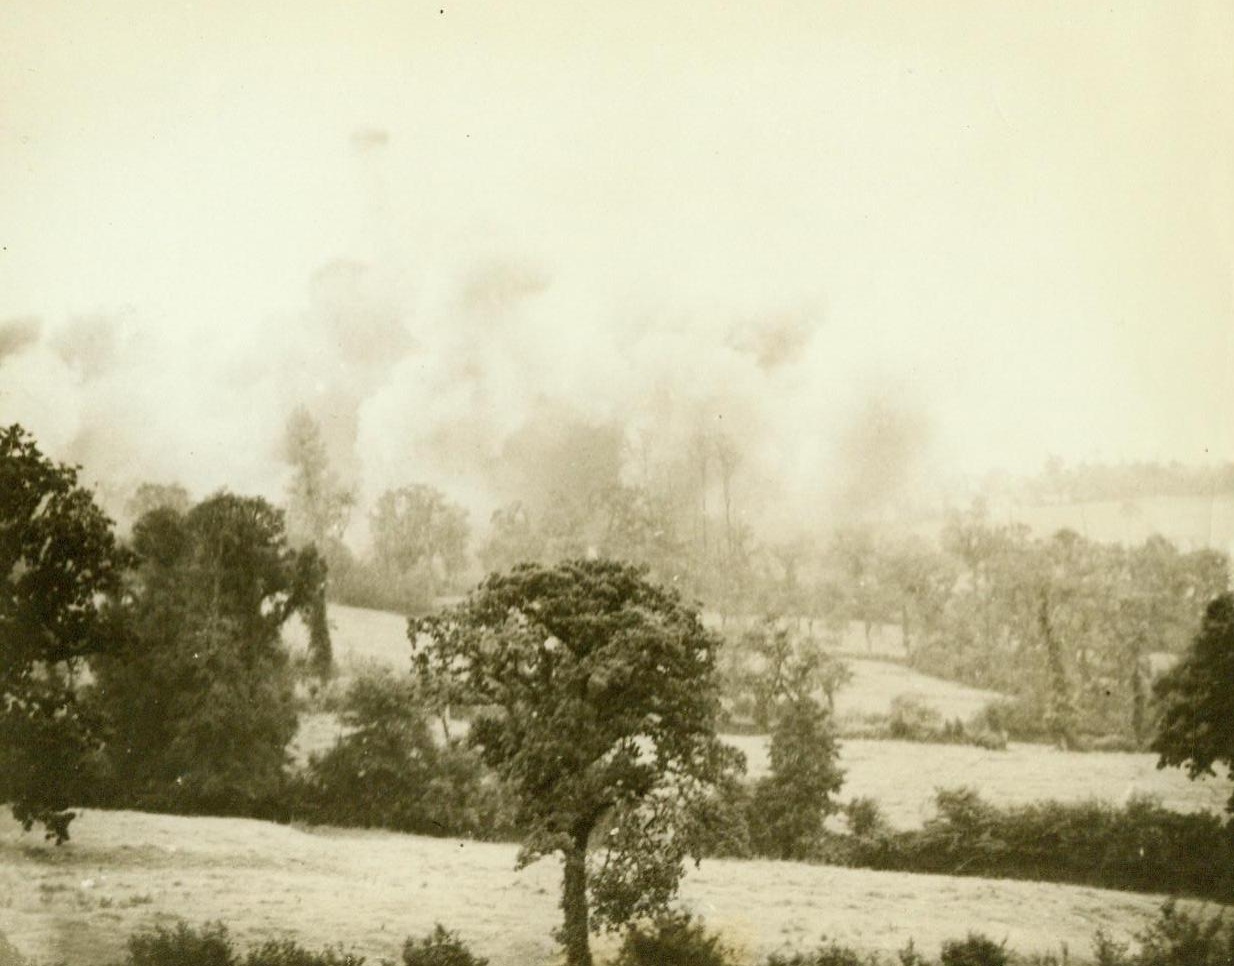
(200, 699)
(60, 580)
(1197, 697)
(599, 700)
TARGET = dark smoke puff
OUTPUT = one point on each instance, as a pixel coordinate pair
(17, 335)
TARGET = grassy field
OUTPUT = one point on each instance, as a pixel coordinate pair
(903, 776)
(369, 637)
(367, 890)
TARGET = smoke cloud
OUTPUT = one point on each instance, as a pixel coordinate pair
(506, 380)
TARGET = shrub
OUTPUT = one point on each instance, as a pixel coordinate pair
(677, 939)
(1015, 718)
(210, 945)
(973, 950)
(832, 954)
(285, 952)
(1177, 938)
(184, 945)
(440, 948)
(389, 771)
(911, 719)
(865, 817)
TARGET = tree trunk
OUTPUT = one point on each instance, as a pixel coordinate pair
(574, 933)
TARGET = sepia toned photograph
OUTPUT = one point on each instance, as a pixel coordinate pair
(596, 483)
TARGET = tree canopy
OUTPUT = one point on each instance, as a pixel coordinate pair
(1197, 696)
(598, 699)
(200, 697)
(60, 581)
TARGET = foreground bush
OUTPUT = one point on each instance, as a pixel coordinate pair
(211, 945)
(832, 954)
(440, 948)
(1174, 938)
(973, 950)
(677, 939)
(182, 946)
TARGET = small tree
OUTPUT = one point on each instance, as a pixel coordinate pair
(1197, 699)
(792, 803)
(60, 576)
(600, 698)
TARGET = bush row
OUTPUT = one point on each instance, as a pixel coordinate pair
(1174, 938)
(909, 718)
(211, 945)
(1140, 846)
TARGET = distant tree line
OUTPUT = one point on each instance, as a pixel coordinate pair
(1059, 483)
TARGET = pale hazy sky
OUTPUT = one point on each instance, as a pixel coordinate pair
(1015, 220)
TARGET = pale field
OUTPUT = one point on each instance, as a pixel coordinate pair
(368, 890)
(903, 776)
(369, 637)
(876, 683)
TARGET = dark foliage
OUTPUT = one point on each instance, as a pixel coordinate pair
(790, 805)
(1197, 696)
(973, 950)
(200, 697)
(675, 939)
(183, 945)
(1175, 938)
(211, 945)
(60, 583)
(441, 947)
(600, 698)
(831, 954)
(389, 771)
(1141, 846)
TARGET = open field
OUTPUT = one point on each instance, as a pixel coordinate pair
(903, 776)
(359, 636)
(362, 637)
(876, 683)
(367, 890)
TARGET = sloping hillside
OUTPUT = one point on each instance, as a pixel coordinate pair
(362, 636)
(126, 870)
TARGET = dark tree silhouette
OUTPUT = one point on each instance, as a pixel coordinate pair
(1197, 699)
(60, 579)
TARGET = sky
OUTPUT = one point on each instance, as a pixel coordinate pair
(863, 241)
